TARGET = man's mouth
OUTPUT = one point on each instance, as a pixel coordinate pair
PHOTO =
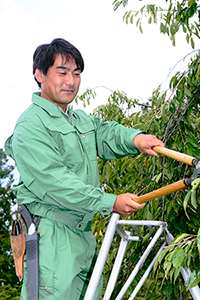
(68, 91)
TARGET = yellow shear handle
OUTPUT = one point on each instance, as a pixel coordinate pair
(168, 189)
(186, 159)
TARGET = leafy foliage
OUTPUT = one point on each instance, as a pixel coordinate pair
(7, 200)
(178, 15)
(9, 292)
(174, 117)
(86, 96)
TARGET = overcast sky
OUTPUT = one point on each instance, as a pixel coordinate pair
(116, 55)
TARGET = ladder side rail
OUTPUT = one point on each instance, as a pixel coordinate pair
(142, 222)
(195, 291)
(146, 274)
(101, 259)
(116, 268)
(140, 262)
(135, 238)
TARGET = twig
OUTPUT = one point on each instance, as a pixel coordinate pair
(183, 113)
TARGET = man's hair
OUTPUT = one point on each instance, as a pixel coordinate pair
(45, 55)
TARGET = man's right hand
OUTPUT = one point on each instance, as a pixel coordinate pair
(125, 204)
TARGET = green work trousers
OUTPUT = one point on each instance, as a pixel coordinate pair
(66, 260)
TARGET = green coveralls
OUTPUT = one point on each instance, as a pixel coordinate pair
(56, 156)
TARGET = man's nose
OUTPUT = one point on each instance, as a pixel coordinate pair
(69, 79)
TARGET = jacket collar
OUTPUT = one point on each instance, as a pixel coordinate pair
(52, 109)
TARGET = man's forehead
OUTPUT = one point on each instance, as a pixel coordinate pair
(63, 60)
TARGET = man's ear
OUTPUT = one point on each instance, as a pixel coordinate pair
(39, 75)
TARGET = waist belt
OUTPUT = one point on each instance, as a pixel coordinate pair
(73, 220)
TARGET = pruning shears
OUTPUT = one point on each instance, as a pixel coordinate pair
(178, 185)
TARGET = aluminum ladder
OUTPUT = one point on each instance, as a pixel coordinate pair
(115, 225)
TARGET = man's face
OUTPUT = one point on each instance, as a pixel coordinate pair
(61, 83)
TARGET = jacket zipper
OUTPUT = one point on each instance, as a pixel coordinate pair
(83, 135)
(46, 288)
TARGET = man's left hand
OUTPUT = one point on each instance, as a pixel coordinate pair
(145, 143)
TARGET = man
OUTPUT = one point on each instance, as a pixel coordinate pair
(55, 150)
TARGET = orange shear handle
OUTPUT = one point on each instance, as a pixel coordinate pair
(186, 159)
(166, 190)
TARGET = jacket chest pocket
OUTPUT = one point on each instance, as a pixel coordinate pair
(87, 139)
(74, 143)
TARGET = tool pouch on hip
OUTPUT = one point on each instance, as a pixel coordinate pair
(22, 243)
(18, 246)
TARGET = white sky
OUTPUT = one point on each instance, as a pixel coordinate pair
(116, 55)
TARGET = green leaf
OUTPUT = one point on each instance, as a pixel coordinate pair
(137, 12)
(190, 12)
(171, 273)
(169, 257)
(194, 279)
(127, 16)
(143, 7)
(198, 73)
(187, 38)
(187, 92)
(179, 238)
(146, 237)
(162, 28)
(198, 241)
(176, 273)
(195, 152)
(192, 42)
(167, 266)
(167, 174)
(195, 184)
(172, 29)
(173, 41)
(191, 2)
(108, 169)
(172, 108)
(184, 28)
(150, 20)
(131, 19)
(178, 258)
(117, 4)
(156, 178)
(162, 109)
(140, 27)
(137, 22)
(192, 141)
(185, 202)
(195, 220)
(162, 254)
(193, 199)
(125, 2)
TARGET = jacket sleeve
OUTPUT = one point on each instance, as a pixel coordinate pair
(45, 175)
(114, 140)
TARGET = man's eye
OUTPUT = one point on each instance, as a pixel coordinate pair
(61, 73)
(77, 74)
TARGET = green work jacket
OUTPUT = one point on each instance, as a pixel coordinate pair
(56, 156)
